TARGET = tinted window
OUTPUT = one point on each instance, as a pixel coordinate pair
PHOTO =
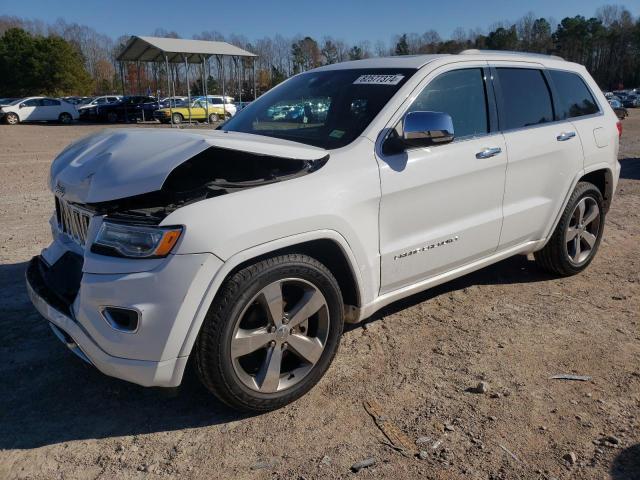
(526, 97)
(49, 102)
(461, 94)
(574, 98)
(33, 102)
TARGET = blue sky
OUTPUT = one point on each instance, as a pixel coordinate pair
(352, 21)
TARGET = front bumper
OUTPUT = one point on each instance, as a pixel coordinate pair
(165, 319)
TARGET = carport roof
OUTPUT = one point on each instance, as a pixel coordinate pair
(154, 49)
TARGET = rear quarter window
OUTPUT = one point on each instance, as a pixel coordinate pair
(574, 98)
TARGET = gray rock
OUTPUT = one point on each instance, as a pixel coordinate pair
(612, 439)
(571, 458)
(482, 387)
(423, 440)
(263, 464)
(423, 455)
(449, 428)
(366, 463)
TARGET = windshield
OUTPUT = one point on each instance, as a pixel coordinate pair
(15, 102)
(85, 101)
(325, 109)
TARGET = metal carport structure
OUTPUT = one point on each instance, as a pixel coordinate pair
(188, 52)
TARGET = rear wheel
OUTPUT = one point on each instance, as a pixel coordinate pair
(577, 236)
(65, 118)
(271, 333)
(213, 118)
(12, 118)
(112, 117)
(177, 118)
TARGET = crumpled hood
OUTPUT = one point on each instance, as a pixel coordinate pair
(120, 163)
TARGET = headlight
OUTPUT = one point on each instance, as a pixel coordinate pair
(135, 241)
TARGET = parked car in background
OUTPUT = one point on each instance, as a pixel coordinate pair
(171, 101)
(39, 109)
(129, 109)
(631, 101)
(7, 101)
(198, 112)
(617, 106)
(217, 100)
(75, 100)
(96, 101)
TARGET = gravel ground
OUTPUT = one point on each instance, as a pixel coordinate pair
(509, 325)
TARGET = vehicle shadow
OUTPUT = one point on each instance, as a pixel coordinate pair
(514, 270)
(50, 396)
(626, 465)
(630, 168)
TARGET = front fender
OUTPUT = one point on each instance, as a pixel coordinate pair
(241, 257)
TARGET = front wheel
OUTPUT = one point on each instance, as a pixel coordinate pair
(12, 118)
(177, 118)
(270, 333)
(112, 117)
(577, 236)
(65, 118)
(213, 118)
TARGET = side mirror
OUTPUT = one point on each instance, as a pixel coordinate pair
(421, 129)
(22, 105)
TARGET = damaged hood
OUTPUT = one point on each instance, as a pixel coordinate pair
(120, 163)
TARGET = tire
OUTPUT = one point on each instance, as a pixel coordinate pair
(576, 239)
(237, 372)
(12, 118)
(112, 117)
(65, 118)
(177, 118)
(213, 118)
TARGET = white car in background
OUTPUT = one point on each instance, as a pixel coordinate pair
(97, 101)
(229, 107)
(39, 109)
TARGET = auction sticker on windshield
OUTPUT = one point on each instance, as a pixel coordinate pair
(378, 79)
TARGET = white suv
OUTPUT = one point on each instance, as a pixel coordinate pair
(247, 248)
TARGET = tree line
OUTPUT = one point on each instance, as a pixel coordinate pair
(67, 58)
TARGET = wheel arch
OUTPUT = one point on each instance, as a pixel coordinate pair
(602, 178)
(326, 246)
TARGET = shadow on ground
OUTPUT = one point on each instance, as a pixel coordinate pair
(630, 168)
(626, 466)
(50, 396)
(515, 270)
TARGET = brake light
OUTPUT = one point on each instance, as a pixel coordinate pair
(619, 125)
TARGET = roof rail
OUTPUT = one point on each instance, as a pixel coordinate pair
(475, 51)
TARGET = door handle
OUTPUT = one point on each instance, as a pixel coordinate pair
(564, 136)
(489, 152)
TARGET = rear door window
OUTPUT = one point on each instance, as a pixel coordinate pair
(526, 99)
(574, 98)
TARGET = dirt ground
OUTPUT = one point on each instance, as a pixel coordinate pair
(509, 325)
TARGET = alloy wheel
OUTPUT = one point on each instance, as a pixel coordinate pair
(280, 335)
(582, 232)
